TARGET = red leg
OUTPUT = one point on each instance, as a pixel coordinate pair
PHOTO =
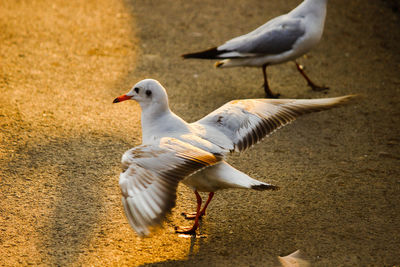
(268, 92)
(203, 211)
(192, 230)
(192, 215)
(313, 86)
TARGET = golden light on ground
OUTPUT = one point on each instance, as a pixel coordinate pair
(62, 64)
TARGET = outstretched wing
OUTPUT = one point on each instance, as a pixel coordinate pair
(150, 178)
(246, 122)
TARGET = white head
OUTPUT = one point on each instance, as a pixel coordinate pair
(148, 93)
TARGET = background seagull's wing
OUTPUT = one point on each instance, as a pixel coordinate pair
(274, 37)
(150, 178)
(246, 122)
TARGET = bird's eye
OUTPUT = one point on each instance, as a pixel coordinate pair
(136, 90)
(148, 92)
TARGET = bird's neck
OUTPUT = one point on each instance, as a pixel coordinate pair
(317, 1)
(311, 7)
(158, 122)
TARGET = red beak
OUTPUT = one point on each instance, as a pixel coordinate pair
(122, 98)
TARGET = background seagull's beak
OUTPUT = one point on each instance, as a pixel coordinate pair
(122, 98)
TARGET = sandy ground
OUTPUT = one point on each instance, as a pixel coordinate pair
(61, 65)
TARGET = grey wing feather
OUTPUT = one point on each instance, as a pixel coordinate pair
(151, 176)
(246, 122)
(271, 38)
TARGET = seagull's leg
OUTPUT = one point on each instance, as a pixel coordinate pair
(268, 92)
(192, 230)
(203, 211)
(192, 215)
(313, 86)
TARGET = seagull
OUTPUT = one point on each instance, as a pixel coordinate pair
(281, 39)
(174, 151)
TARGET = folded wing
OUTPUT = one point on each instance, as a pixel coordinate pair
(275, 37)
(246, 122)
(150, 178)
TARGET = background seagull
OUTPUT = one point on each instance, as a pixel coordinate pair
(174, 151)
(281, 39)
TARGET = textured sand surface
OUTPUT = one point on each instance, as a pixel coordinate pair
(62, 64)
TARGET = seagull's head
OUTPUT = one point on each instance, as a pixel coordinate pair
(147, 93)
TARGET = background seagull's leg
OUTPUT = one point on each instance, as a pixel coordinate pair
(310, 83)
(268, 92)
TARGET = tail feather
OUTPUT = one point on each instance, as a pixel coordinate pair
(264, 186)
(211, 53)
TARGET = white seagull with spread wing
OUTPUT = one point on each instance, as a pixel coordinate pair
(281, 39)
(174, 151)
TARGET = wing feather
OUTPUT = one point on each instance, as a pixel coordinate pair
(151, 176)
(274, 37)
(246, 122)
